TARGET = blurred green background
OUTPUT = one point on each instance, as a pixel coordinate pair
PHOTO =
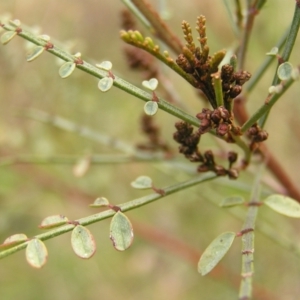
(169, 234)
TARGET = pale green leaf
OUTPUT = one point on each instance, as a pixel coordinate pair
(273, 51)
(150, 84)
(44, 37)
(7, 36)
(105, 65)
(283, 205)
(53, 221)
(100, 202)
(35, 52)
(150, 108)
(66, 69)
(83, 242)
(105, 84)
(121, 232)
(36, 253)
(142, 182)
(14, 240)
(215, 252)
(232, 201)
(284, 71)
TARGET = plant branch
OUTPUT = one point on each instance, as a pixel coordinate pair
(269, 102)
(264, 66)
(99, 73)
(118, 82)
(109, 213)
(94, 159)
(248, 241)
(246, 36)
(289, 45)
(162, 31)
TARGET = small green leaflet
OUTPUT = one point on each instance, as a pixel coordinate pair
(142, 182)
(83, 242)
(232, 201)
(36, 253)
(283, 205)
(121, 232)
(150, 108)
(215, 252)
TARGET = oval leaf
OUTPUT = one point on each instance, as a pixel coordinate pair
(284, 205)
(105, 84)
(215, 252)
(273, 51)
(100, 202)
(150, 108)
(105, 65)
(150, 84)
(121, 232)
(15, 23)
(34, 53)
(67, 69)
(14, 240)
(232, 201)
(44, 37)
(7, 36)
(83, 242)
(284, 71)
(53, 221)
(36, 253)
(142, 182)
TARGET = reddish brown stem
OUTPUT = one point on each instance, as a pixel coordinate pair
(162, 31)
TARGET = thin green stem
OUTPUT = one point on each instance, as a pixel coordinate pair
(289, 45)
(248, 241)
(264, 66)
(266, 106)
(246, 36)
(138, 14)
(234, 24)
(109, 213)
(94, 159)
(217, 83)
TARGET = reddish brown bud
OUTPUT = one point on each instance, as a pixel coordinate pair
(235, 91)
(232, 157)
(222, 129)
(220, 171)
(202, 168)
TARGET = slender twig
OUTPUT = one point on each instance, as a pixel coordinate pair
(264, 66)
(289, 45)
(235, 22)
(268, 104)
(109, 213)
(94, 159)
(162, 31)
(246, 36)
(99, 73)
(138, 14)
(248, 241)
